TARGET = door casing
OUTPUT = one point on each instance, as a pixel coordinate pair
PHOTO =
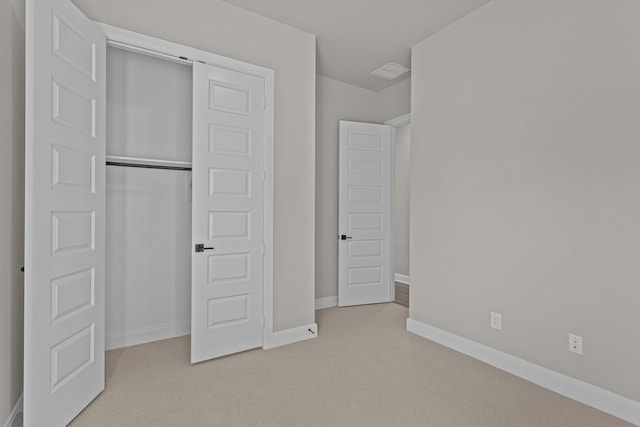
(395, 123)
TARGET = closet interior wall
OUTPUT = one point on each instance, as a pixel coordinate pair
(148, 211)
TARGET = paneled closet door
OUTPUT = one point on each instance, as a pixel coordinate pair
(64, 206)
(228, 212)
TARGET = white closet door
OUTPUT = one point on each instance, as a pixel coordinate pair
(228, 212)
(64, 205)
(364, 218)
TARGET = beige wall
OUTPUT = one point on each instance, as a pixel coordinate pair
(395, 100)
(12, 206)
(340, 101)
(401, 234)
(525, 183)
(220, 28)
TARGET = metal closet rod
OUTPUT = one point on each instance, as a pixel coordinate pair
(141, 162)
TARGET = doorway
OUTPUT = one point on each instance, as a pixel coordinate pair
(373, 248)
(401, 229)
(148, 206)
(365, 214)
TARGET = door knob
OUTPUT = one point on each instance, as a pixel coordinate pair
(345, 237)
(201, 248)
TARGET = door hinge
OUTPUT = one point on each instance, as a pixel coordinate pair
(264, 249)
(264, 103)
(264, 175)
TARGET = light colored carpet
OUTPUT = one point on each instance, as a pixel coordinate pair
(364, 369)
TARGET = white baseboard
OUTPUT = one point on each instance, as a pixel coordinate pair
(402, 278)
(145, 335)
(290, 336)
(604, 400)
(15, 417)
(326, 302)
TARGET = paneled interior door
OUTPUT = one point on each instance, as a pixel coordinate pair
(228, 212)
(364, 218)
(64, 206)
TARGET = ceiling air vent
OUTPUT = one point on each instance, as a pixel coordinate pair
(390, 71)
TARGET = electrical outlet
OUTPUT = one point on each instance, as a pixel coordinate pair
(496, 321)
(575, 344)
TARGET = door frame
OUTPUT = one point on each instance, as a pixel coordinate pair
(140, 43)
(395, 123)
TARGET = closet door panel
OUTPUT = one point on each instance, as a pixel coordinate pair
(228, 212)
(64, 207)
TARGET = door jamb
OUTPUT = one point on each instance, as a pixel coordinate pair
(180, 53)
(395, 123)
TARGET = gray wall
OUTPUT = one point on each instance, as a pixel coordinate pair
(525, 177)
(401, 231)
(12, 206)
(340, 101)
(220, 28)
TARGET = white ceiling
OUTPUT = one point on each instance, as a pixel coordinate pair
(355, 37)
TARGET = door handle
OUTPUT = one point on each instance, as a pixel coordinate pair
(345, 237)
(201, 248)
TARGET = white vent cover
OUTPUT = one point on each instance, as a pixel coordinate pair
(390, 71)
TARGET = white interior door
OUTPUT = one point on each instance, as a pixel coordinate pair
(228, 212)
(64, 220)
(364, 224)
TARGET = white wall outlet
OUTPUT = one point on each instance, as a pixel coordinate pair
(575, 343)
(496, 321)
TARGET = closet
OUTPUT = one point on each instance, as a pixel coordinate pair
(148, 203)
(148, 206)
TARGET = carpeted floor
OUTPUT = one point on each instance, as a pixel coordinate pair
(364, 369)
